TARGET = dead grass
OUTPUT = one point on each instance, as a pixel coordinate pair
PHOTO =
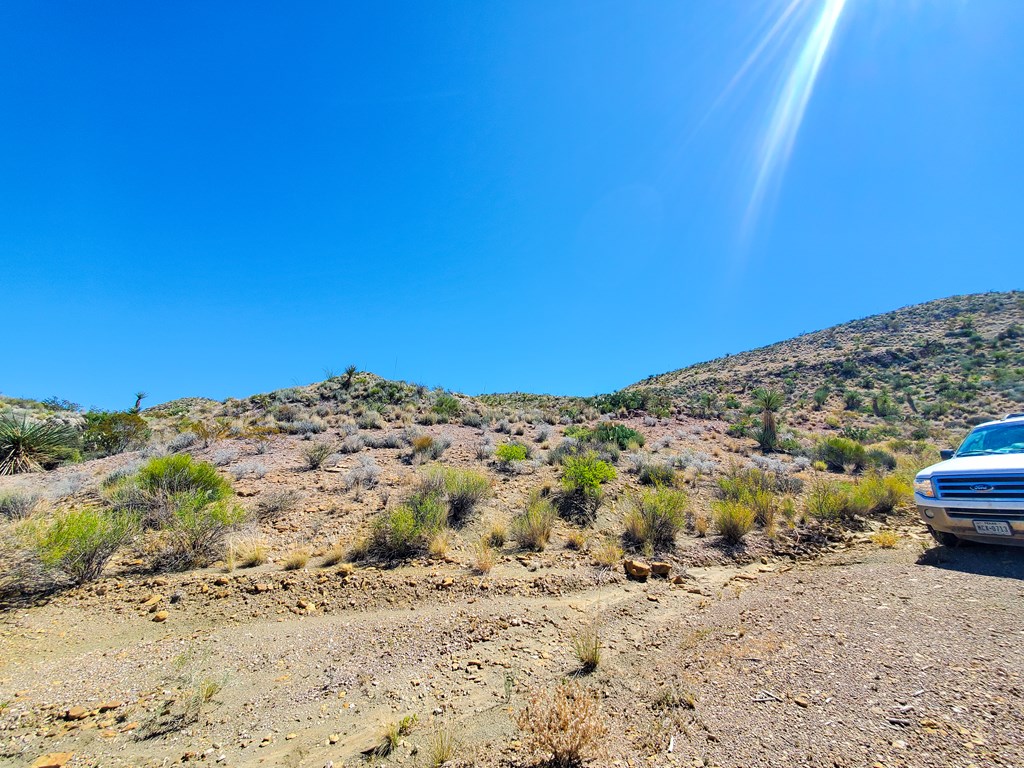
(886, 539)
(562, 724)
(296, 560)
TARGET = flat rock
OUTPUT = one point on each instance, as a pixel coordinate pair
(637, 569)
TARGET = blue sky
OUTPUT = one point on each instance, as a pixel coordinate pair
(219, 199)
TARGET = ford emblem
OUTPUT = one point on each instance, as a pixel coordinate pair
(981, 488)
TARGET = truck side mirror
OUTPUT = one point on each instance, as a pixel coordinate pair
(946, 453)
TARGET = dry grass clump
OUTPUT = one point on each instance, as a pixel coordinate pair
(439, 545)
(483, 557)
(250, 553)
(563, 724)
(607, 554)
(586, 645)
(296, 560)
(886, 539)
(532, 527)
(734, 519)
(497, 535)
(576, 540)
(442, 745)
(334, 555)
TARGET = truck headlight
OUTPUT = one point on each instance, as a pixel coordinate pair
(923, 486)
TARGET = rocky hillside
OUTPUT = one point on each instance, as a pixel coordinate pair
(950, 362)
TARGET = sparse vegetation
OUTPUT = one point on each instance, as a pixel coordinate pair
(532, 527)
(654, 518)
(582, 478)
(562, 723)
(586, 646)
(733, 519)
(75, 544)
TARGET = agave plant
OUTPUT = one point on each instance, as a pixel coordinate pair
(26, 447)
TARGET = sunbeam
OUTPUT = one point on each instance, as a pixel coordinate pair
(790, 103)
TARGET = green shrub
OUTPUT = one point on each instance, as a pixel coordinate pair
(194, 535)
(880, 494)
(180, 474)
(734, 519)
(508, 453)
(408, 528)
(532, 527)
(26, 447)
(78, 543)
(317, 453)
(841, 452)
(463, 489)
(881, 459)
(829, 501)
(582, 477)
(657, 474)
(447, 406)
(655, 517)
(112, 432)
(619, 434)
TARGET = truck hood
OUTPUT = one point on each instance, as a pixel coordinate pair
(992, 464)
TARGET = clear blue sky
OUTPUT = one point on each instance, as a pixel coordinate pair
(224, 198)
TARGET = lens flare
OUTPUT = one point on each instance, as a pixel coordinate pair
(813, 38)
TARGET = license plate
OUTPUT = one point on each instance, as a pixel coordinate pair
(993, 527)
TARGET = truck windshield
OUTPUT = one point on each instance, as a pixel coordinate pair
(995, 438)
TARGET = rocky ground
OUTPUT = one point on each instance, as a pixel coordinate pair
(863, 656)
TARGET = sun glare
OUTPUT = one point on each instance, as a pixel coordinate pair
(804, 29)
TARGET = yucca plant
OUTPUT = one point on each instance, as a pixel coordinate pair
(26, 447)
(769, 402)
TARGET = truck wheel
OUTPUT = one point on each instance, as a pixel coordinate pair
(944, 538)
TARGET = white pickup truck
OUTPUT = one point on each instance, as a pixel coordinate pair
(977, 492)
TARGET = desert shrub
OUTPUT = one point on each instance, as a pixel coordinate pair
(619, 434)
(734, 519)
(563, 724)
(387, 440)
(76, 544)
(112, 432)
(182, 441)
(250, 553)
(351, 444)
(880, 459)
(304, 427)
(224, 457)
(657, 474)
(194, 534)
(274, 504)
(409, 527)
(370, 420)
(26, 447)
(316, 454)
(180, 474)
(828, 500)
(655, 517)
(365, 475)
(508, 454)
(880, 494)
(841, 452)
(463, 490)
(886, 539)
(255, 469)
(447, 406)
(576, 539)
(532, 527)
(15, 505)
(426, 448)
(582, 478)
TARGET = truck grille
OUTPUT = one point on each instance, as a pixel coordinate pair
(1014, 515)
(981, 487)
